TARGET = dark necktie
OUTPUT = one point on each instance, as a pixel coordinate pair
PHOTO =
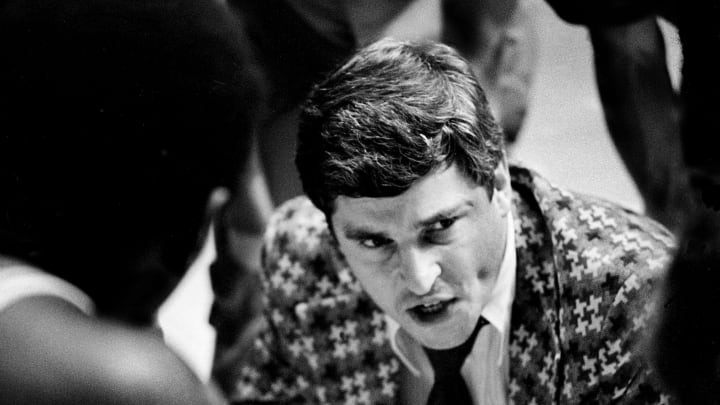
(449, 387)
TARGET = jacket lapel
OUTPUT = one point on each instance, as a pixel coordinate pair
(535, 329)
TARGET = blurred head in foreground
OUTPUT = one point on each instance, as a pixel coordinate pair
(118, 119)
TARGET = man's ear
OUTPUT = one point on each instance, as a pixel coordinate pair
(501, 184)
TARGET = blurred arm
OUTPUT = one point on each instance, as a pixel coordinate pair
(499, 38)
(641, 110)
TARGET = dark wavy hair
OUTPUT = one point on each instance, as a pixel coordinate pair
(117, 119)
(394, 112)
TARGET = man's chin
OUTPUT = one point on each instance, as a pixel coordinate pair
(441, 329)
(442, 339)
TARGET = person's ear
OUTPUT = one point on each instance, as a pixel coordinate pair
(216, 201)
(501, 184)
(214, 208)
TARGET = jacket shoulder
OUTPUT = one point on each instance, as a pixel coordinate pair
(605, 265)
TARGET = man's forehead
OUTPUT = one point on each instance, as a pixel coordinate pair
(362, 212)
(442, 193)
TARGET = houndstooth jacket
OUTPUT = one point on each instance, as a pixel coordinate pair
(586, 270)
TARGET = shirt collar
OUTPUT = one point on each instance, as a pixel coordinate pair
(497, 311)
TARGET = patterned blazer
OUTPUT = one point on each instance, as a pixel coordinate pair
(585, 275)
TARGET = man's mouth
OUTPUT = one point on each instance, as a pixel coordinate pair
(431, 311)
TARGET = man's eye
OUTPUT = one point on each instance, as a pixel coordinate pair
(440, 231)
(442, 224)
(374, 243)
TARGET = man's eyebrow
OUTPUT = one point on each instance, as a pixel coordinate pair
(445, 213)
(353, 232)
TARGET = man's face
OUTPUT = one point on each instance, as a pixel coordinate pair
(430, 256)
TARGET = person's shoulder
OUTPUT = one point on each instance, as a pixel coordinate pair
(323, 326)
(19, 281)
(600, 249)
(607, 262)
(50, 349)
(294, 214)
(602, 219)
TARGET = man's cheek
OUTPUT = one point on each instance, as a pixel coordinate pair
(377, 287)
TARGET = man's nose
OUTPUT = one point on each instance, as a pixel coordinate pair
(419, 270)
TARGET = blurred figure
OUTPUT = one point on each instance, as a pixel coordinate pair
(119, 117)
(686, 346)
(664, 139)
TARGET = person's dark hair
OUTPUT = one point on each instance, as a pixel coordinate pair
(390, 115)
(118, 117)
